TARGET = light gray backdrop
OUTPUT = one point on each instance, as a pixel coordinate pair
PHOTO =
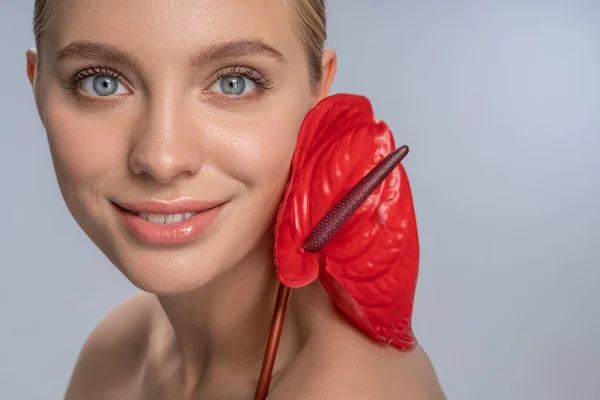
(500, 103)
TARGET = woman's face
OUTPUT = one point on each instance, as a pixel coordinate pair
(173, 107)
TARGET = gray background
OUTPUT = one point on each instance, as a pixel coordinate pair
(500, 103)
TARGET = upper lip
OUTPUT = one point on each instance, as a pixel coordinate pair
(169, 207)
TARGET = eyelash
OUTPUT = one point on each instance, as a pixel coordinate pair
(241, 70)
(262, 82)
(74, 80)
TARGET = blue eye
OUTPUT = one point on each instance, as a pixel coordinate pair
(102, 86)
(233, 85)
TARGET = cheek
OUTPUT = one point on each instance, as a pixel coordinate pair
(272, 154)
(85, 147)
(259, 154)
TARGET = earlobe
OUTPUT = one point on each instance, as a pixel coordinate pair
(31, 66)
(329, 67)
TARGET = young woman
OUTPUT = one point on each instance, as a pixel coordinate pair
(171, 125)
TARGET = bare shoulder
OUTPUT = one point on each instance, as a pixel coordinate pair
(351, 366)
(111, 357)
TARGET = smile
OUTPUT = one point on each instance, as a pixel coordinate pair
(168, 224)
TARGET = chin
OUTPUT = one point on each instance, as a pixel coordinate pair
(183, 269)
(168, 272)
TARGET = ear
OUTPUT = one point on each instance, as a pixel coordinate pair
(31, 66)
(329, 68)
(32, 74)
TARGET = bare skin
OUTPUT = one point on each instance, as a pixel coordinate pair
(167, 132)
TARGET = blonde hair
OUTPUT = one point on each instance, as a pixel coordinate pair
(310, 23)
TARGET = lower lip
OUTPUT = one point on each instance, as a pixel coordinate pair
(176, 233)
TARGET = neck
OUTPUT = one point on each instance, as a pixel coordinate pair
(221, 329)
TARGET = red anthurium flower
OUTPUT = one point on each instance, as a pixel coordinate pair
(370, 266)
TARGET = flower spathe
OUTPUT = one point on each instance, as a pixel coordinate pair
(370, 266)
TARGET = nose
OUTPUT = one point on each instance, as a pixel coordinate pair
(164, 149)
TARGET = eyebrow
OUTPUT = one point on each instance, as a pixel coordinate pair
(236, 49)
(89, 50)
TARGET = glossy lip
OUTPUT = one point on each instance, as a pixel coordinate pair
(177, 233)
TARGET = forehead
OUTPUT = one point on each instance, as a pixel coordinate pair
(171, 28)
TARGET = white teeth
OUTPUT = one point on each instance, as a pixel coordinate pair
(166, 219)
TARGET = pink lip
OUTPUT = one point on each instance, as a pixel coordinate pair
(168, 234)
